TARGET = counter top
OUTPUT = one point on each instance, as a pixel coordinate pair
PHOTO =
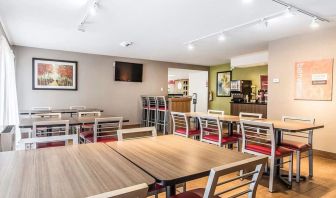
(259, 103)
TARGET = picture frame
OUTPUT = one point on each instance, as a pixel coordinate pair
(223, 84)
(52, 74)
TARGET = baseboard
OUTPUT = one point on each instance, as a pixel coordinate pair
(325, 154)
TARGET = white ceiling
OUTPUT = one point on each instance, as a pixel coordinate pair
(158, 28)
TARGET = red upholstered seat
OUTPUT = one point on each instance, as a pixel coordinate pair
(196, 193)
(214, 137)
(237, 135)
(294, 145)
(162, 108)
(280, 151)
(210, 129)
(86, 134)
(103, 139)
(184, 131)
(50, 144)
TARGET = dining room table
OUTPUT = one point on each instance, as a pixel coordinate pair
(172, 159)
(59, 110)
(69, 171)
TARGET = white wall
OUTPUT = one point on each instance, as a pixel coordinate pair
(96, 85)
(198, 83)
(283, 54)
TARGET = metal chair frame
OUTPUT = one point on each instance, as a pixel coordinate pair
(120, 132)
(215, 112)
(180, 120)
(106, 127)
(136, 191)
(162, 114)
(263, 133)
(306, 135)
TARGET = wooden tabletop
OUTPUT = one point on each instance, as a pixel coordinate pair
(172, 159)
(70, 171)
(28, 122)
(278, 124)
(25, 112)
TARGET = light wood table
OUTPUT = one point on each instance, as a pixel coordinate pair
(173, 159)
(70, 171)
(70, 111)
(28, 122)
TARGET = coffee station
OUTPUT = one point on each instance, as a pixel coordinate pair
(245, 98)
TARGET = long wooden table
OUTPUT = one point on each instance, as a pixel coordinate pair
(70, 171)
(28, 122)
(70, 111)
(172, 159)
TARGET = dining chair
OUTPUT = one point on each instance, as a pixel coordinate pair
(212, 131)
(300, 142)
(105, 130)
(142, 130)
(215, 112)
(161, 113)
(245, 116)
(86, 130)
(136, 191)
(232, 182)
(144, 110)
(259, 139)
(50, 129)
(181, 126)
(152, 111)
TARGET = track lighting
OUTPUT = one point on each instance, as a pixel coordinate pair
(91, 11)
(264, 22)
(314, 24)
(289, 12)
(221, 37)
(190, 46)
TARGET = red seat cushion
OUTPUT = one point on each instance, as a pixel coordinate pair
(103, 139)
(50, 144)
(184, 131)
(196, 193)
(214, 137)
(294, 145)
(237, 135)
(162, 108)
(280, 151)
(86, 134)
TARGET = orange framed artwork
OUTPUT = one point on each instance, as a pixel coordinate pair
(314, 80)
(49, 74)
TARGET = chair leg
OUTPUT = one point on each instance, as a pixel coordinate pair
(164, 122)
(290, 170)
(310, 159)
(298, 166)
(272, 175)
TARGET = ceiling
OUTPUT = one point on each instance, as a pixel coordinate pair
(158, 28)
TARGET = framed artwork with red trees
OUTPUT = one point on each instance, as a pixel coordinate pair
(50, 74)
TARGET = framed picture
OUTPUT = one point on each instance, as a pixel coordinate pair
(223, 84)
(314, 80)
(49, 74)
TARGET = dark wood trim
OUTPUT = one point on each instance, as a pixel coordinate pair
(325, 154)
(45, 59)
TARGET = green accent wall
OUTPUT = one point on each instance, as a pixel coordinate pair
(250, 73)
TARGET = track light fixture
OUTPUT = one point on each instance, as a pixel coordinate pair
(264, 20)
(91, 11)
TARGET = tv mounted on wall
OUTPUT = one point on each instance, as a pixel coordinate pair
(129, 72)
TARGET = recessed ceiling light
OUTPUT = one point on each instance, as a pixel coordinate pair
(289, 12)
(126, 43)
(314, 24)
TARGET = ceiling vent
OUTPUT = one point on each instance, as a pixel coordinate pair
(126, 44)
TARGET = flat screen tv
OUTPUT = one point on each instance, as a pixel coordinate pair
(129, 72)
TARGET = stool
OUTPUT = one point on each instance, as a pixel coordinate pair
(151, 121)
(162, 113)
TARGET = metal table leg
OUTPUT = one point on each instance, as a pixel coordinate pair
(170, 191)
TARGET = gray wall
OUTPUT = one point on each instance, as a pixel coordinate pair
(96, 85)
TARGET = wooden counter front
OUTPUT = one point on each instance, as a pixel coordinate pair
(236, 108)
(179, 104)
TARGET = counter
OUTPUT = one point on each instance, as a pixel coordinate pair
(249, 107)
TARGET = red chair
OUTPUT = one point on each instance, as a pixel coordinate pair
(246, 116)
(305, 145)
(86, 130)
(259, 139)
(105, 130)
(181, 125)
(212, 131)
(247, 187)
